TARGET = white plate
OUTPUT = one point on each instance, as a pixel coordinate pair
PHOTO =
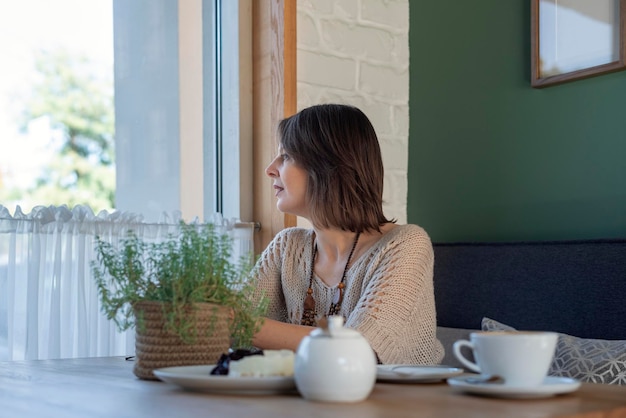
(198, 378)
(407, 373)
(551, 386)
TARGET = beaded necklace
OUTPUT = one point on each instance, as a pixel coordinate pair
(308, 314)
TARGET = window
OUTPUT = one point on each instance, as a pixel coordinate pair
(182, 129)
(175, 64)
(56, 58)
(182, 120)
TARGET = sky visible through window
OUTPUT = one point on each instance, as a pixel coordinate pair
(79, 26)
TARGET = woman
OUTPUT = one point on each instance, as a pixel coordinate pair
(354, 262)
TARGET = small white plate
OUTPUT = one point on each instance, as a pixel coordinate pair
(551, 386)
(408, 373)
(198, 378)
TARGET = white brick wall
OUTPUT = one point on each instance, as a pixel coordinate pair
(357, 52)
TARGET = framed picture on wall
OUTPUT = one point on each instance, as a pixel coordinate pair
(575, 39)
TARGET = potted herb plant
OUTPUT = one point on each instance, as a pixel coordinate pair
(186, 299)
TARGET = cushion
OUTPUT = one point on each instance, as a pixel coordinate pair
(447, 336)
(584, 359)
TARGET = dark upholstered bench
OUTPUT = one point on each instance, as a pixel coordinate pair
(573, 287)
(576, 288)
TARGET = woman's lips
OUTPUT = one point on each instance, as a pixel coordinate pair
(278, 189)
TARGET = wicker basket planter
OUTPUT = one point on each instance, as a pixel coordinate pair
(156, 346)
(184, 296)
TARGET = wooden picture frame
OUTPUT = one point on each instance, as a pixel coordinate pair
(572, 40)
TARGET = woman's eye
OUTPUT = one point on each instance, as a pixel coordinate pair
(284, 157)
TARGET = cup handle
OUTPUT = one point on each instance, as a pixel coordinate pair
(456, 347)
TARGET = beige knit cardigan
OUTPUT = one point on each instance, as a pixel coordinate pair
(389, 295)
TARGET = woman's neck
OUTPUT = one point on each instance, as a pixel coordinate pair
(334, 247)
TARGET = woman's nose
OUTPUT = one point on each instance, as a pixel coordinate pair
(270, 170)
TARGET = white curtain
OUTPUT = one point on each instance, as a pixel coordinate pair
(49, 306)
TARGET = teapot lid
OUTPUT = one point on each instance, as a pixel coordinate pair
(335, 329)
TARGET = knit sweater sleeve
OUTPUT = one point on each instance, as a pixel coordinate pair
(268, 272)
(396, 309)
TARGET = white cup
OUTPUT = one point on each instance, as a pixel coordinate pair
(521, 358)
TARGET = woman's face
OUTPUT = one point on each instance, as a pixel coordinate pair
(290, 182)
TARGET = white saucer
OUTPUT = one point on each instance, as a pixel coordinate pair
(407, 373)
(551, 386)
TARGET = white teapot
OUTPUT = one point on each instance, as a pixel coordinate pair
(335, 364)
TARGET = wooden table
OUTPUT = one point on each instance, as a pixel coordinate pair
(106, 387)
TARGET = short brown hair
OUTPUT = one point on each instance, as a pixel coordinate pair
(338, 147)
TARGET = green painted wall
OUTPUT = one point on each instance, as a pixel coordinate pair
(490, 157)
